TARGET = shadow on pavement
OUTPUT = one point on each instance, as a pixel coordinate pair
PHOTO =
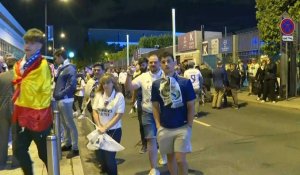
(244, 104)
(202, 114)
(120, 161)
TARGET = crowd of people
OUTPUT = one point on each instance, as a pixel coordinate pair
(157, 86)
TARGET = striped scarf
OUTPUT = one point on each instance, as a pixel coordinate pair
(32, 59)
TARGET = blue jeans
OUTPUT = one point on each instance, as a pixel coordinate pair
(107, 159)
(70, 130)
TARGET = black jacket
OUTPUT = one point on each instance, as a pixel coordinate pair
(270, 71)
(234, 79)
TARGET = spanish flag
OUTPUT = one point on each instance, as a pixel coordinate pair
(32, 97)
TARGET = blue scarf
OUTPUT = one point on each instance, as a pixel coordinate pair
(32, 59)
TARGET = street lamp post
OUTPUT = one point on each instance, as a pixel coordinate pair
(46, 31)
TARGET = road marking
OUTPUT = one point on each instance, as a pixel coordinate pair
(201, 123)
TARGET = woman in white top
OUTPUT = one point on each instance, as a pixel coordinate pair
(108, 108)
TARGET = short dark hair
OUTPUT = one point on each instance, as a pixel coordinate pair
(191, 64)
(165, 55)
(142, 60)
(61, 53)
(34, 35)
(219, 63)
(99, 64)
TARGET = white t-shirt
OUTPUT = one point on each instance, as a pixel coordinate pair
(107, 107)
(145, 81)
(81, 85)
(252, 70)
(115, 74)
(194, 75)
(122, 77)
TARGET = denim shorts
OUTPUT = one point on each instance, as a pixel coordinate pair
(149, 125)
(174, 140)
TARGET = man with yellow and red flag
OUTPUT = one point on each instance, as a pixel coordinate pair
(32, 99)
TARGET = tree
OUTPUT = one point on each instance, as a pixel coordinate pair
(123, 53)
(95, 52)
(294, 11)
(153, 41)
(268, 15)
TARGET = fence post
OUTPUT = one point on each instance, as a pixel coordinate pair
(52, 156)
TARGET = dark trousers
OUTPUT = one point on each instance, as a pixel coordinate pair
(139, 113)
(269, 90)
(5, 128)
(261, 89)
(123, 89)
(78, 99)
(107, 159)
(90, 109)
(21, 145)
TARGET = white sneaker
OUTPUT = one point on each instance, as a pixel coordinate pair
(262, 101)
(75, 114)
(274, 102)
(162, 159)
(154, 171)
(258, 99)
(81, 116)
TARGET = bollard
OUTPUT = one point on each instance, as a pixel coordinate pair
(57, 132)
(52, 156)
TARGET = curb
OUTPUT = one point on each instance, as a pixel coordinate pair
(293, 103)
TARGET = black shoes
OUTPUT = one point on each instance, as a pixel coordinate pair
(143, 150)
(72, 153)
(66, 148)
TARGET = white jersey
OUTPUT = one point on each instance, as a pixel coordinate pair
(107, 107)
(252, 70)
(145, 81)
(80, 87)
(115, 74)
(122, 77)
(195, 76)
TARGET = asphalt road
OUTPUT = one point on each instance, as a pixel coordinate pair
(255, 139)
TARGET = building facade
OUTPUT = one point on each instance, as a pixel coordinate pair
(11, 32)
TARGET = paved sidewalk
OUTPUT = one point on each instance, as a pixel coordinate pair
(293, 103)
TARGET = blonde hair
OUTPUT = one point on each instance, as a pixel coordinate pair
(105, 78)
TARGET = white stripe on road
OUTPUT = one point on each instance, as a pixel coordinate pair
(201, 123)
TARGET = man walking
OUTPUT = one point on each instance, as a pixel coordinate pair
(220, 82)
(234, 79)
(144, 81)
(173, 101)
(122, 80)
(137, 96)
(196, 78)
(32, 99)
(65, 86)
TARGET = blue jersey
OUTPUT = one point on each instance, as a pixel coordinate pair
(173, 117)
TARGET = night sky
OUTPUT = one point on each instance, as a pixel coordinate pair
(76, 16)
